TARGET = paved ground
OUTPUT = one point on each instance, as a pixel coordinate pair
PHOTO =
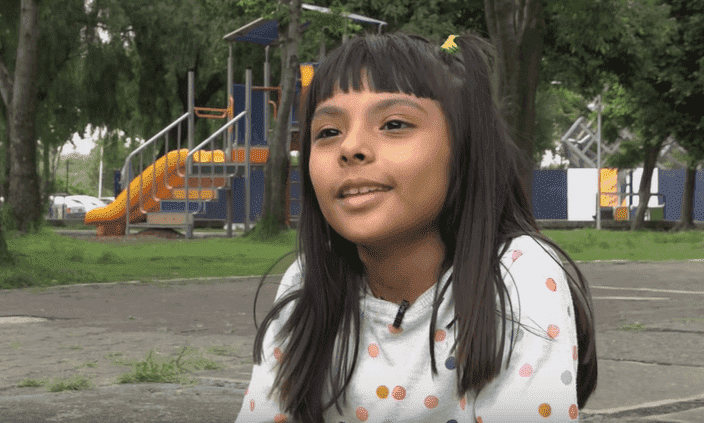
(650, 375)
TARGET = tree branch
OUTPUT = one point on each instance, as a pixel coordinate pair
(214, 84)
(6, 85)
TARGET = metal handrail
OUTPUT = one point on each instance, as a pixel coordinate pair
(197, 149)
(128, 166)
(227, 146)
(152, 139)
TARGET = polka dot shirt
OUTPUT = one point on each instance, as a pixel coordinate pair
(393, 381)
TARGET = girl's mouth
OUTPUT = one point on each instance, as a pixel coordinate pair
(361, 201)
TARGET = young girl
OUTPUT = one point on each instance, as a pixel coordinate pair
(415, 230)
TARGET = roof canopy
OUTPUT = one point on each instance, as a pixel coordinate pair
(266, 32)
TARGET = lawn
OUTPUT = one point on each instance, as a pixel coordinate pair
(49, 259)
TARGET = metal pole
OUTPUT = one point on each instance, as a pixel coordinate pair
(67, 177)
(191, 128)
(598, 201)
(228, 195)
(100, 175)
(191, 105)
(267, 71)
(247, 140)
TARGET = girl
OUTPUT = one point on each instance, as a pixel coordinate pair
(411, 187)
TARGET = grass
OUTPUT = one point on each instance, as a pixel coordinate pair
(590, 245)
(149, 370)
(49, 259)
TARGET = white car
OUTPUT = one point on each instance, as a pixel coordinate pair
(88, 202)
(73, 206)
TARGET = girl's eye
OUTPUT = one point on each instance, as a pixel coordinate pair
(397, 122)
(397, 125)
(320, 134)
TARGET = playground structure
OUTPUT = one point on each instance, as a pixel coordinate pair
(614, 201)
(182, 183)
(573, 196)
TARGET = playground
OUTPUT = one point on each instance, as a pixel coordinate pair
(226, 179)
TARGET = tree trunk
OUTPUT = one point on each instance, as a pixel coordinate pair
(47, 179)
(24, 185)
(517, 34)
(687, 220)
(5, 255)
(274, 214)
(651, 158)
(8, 156)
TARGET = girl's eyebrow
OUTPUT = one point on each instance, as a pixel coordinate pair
(378, 107)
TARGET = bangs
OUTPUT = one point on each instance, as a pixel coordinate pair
(392, 63)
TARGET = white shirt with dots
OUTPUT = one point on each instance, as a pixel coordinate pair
(393, 381)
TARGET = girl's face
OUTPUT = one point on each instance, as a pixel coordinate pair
(392, 140)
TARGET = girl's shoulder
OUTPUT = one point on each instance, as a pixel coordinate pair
(292, 279)
(533, 248)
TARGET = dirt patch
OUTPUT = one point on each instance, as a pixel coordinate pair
(146, 234)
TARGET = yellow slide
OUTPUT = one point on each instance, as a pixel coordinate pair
(110, 220)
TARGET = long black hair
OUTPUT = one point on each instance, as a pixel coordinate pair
(486, 206)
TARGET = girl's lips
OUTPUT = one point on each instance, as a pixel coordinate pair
(361, 201)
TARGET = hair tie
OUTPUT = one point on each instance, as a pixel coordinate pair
(450, 46)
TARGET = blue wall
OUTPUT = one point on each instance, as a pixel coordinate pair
(549, 195)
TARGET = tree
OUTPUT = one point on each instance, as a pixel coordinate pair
(683, 77)
(517, 30)
(57, 112)
(644, 113)
(20, 93)
(590, 45)
(274, 215)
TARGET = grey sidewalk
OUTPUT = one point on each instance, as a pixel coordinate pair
(651, 375)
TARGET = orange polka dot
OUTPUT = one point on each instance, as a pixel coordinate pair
(362, 414)
(526, 370)
(373, 350)
(550, 283)
(516, 254)
(251, 405)
(431, 401)
(399, 393)
(553, 331)
(574, 412)
(574, 352)
(544, 410)
(393, 330)
(440, 335)
(280, 418)
(479, 420)
(463, 402)
(246, 391)
(382, 392)
(278, 354)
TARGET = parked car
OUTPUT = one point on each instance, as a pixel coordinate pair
(89, 202)
(72, 206)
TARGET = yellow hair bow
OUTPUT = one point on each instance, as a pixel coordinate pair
(450, 45)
